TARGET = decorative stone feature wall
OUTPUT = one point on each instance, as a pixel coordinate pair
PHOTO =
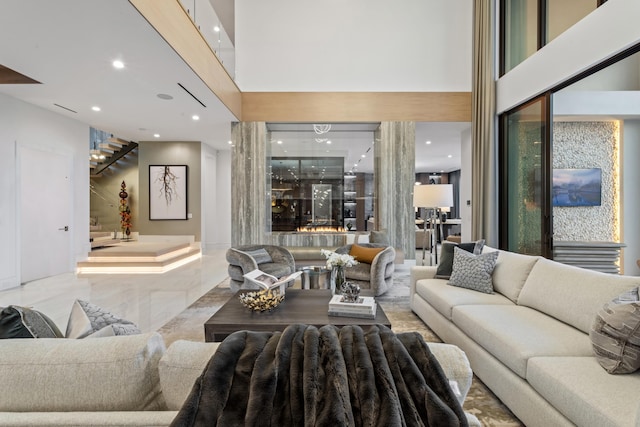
(584, 145)
(250, 188)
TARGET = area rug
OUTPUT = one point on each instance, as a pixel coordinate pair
(480, 401)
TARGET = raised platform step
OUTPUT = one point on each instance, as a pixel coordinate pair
(136, 257)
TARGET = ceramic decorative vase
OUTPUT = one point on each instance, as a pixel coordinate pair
(337, 279)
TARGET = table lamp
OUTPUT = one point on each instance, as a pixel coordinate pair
(434, 197)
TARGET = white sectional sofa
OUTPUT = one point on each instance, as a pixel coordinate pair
(529, 341)
(123, 381)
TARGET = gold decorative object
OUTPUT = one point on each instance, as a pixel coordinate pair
(264, 300)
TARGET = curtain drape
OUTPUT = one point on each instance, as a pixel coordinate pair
(484, 191)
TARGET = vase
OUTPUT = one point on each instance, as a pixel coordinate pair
(337, 279)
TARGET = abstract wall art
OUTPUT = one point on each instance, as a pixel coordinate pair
(167, 192)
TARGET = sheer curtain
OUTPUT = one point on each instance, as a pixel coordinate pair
(484, 221)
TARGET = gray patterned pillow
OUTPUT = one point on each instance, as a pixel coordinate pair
(261, 256)
(87, 319)
(473, 271)
(615, 334)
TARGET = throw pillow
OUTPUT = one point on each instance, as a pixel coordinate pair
(86, 319)
(615, 335)
(23, 322)
(260, 255)
(473, 271)
(446, 255)
(362, 254)
(379, 237)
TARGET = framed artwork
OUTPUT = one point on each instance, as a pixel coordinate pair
(167, 192)
(577, 187)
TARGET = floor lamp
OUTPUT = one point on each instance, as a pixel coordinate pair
(434, 197)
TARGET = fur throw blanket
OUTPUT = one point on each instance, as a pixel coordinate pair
(305, 376)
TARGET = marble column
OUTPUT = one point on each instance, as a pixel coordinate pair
(395, 153)
(249, 184)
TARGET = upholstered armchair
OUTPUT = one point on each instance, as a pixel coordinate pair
(274, 260)
(376, 275)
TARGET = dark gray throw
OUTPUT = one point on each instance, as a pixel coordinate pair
(305, 376)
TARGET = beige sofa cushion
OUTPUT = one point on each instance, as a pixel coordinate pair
(571, 294)
(584, 392)
(513, 334)
(443, 297)
(93, 419)
(510, 273)
(179, 368)
(57, 375)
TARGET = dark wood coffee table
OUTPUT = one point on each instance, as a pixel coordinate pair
(307, 306)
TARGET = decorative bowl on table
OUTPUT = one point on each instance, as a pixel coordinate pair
(263, 300)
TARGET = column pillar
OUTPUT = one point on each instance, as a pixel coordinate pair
(249, 193)
(395, 152)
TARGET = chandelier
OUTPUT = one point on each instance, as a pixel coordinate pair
(320, 129)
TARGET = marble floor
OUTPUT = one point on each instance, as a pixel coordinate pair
(148, 300)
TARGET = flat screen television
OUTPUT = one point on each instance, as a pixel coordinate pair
(577, 187)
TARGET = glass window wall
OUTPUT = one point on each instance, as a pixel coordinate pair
(524, 182)
(527, 25)
(520, 24)
(322, 176)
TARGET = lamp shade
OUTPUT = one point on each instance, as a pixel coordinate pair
(433, 196)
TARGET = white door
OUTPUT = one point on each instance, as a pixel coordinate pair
(45, 214)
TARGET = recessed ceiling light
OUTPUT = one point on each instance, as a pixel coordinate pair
(118, 64)
(164, 96)
(442, 171)
(449, 156)
(195, 117)
(328, 142)
(364, 155)
(216, 29)
(95, 108)
(428, 142)
(156, 135)
(230, 142)
(279, 142)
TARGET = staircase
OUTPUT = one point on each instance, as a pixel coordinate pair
(107, 153)
(139, 257)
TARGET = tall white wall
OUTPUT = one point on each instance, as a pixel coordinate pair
(356, 45)
(630, 198)
(26, 125)
(222, 228)
(209, 196)
(606, 31)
